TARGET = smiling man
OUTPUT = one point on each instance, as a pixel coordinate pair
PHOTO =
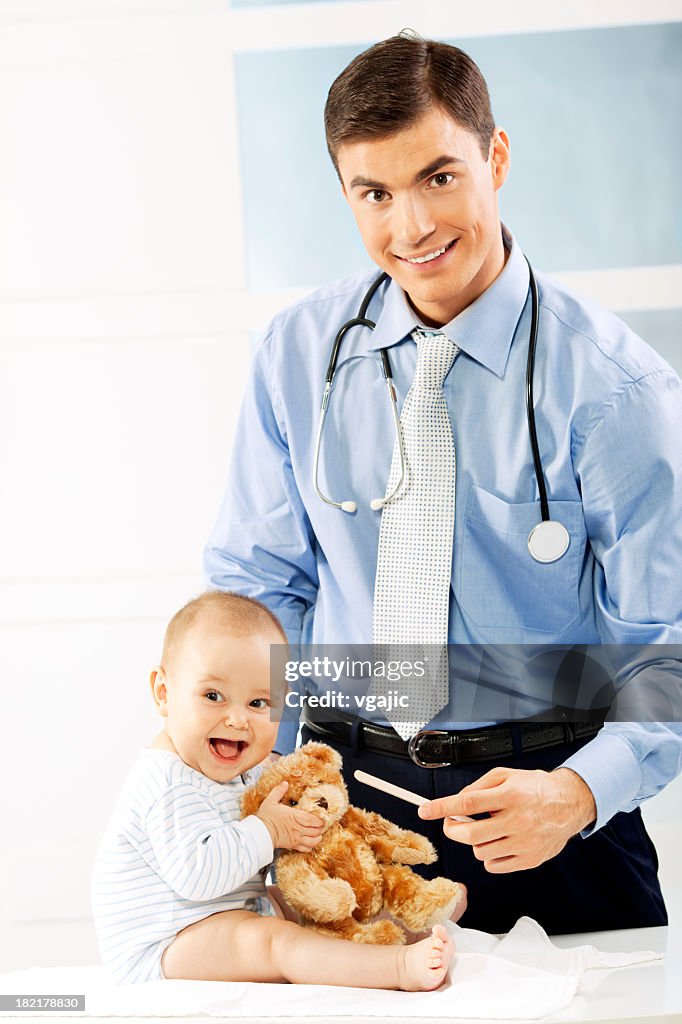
(363, 534)
(425, 203)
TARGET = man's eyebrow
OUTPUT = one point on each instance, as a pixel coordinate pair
(435, 165)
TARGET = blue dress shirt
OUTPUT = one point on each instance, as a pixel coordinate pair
(609, 422)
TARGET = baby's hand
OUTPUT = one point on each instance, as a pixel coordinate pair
(289, 827)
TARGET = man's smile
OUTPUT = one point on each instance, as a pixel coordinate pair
(434, 256)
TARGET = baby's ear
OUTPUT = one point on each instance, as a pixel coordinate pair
(157, 682)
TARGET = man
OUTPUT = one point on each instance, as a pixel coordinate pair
(420, 161)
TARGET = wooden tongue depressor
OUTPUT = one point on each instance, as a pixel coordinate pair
(400, 793)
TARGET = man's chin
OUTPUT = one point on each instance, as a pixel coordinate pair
(436, 306)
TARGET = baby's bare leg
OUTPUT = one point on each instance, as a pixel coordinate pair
(236, 945)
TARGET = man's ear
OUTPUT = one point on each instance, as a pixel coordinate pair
(157, 681)
(500, 157)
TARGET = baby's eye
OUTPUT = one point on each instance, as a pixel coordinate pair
(259, 702)
(214, 696)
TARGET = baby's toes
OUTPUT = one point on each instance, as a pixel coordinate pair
(437, 946)
(442, 946)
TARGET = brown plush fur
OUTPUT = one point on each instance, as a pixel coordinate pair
(359, 867)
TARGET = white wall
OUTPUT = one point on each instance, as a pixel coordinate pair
(121, 371)
(124, 343)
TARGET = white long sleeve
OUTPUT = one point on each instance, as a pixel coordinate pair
(199, 855)
(173, 853)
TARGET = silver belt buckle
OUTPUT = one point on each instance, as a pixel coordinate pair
(414, 741)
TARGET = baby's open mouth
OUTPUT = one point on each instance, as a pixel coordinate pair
(227, 750)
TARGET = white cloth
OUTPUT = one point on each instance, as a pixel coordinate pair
(414, 560)
(173, 853)
(521, 976)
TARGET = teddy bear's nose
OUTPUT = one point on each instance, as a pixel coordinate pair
(323, 804)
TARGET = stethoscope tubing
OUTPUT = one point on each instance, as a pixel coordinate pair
(358, 321)
(548, 540)
(530, 403)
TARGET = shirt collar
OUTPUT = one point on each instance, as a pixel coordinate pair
(484, 330)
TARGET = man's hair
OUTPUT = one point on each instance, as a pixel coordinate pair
(241, 616)
(390, 86)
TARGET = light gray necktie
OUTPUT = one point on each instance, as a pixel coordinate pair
(414, 563)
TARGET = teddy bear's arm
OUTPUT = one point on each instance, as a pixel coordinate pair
(313, 893)
(391, 844)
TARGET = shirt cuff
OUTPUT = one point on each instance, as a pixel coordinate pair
(611, 769)
(258, 831)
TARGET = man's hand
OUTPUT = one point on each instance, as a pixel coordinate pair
(289, 827)
(533, 814)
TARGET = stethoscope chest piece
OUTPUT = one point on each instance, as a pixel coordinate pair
(548, 541)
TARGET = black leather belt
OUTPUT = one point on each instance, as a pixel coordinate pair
(440, 748)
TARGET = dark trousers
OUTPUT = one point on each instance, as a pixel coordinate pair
(608, 880)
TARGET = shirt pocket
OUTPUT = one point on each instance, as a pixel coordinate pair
(502, 585)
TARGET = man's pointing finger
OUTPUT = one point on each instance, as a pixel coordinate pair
(461, 805)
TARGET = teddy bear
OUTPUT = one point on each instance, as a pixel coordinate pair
(361, 864)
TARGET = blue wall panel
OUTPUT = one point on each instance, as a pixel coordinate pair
(593, 118)
(298, 229)
(595, 150)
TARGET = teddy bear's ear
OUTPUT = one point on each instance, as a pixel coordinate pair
(254, 796)
(277, 772)
(322, 753)
(284, 768)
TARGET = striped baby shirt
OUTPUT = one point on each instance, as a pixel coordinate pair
(173, 853)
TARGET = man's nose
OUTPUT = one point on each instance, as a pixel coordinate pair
(414, 222)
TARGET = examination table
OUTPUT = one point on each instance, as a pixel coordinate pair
(632, 975)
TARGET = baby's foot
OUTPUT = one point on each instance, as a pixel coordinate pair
(425, 963)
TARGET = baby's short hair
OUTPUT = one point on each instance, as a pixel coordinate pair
(242, 616)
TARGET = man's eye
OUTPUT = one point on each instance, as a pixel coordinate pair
(214, 696)
(441, 179)
(377, 195)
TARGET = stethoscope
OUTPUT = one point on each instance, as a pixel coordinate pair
(549, 539)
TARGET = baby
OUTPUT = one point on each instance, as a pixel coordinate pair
(179, 881)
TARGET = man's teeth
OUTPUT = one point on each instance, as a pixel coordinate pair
(430, 256)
